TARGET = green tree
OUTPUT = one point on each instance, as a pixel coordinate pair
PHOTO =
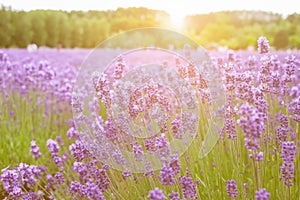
(22, 34)
(281, 39)
(38, 25)
(5, 27)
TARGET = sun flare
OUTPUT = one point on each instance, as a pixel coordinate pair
(177, 19)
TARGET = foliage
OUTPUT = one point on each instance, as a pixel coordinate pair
(235, 29)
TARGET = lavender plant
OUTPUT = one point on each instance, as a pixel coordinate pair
(43, 156)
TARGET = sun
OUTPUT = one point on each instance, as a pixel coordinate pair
(177, 19)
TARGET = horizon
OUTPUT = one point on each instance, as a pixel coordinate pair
(176, 9)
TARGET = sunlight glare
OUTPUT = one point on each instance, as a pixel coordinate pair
(177, 19)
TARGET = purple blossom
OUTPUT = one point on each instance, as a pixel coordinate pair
(138, 152)
(51, 180)
(259, 156)
(262, 194)
(148, 169)
(59, 178)
(53, 147)
(288, 152)
(78, 150)
(188, 188)
(156, 194)
(72, 133)
(251, 144)
(81, 170)
(29, 174)
(263, 45)
(30, 196)
(177, 128)
(166, 176)
(150, 145)
(35, 150)
(245, 185)
(162, 145)
(291, 65)
(57, 160)
(111, 131)
(252, 123)
(126, 174)
(59, 140)
(230, 129)
(93, 191)
(174, 196)
(11, 182)
(232, 189)
(74, 188)
(281, 134)
(174, 164)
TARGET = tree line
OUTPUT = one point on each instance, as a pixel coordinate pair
(53, 28)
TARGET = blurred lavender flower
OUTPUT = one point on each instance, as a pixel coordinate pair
(59, 178)
(262, 194)
(166, 176)
(138, 152)
(230, 129)
(11, 182)
(79, 151)
(259, 156)
(245, 185)
(156, 194)
(126, 174)
(232, 189)
(53, 147)
(288, 152)
(35, 150)
(19, 178)
(174, 196)
(188, 187)
(252, 123)
(174, 164)
(263, 45)
(72, 133)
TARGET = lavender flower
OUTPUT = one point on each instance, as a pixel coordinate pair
(59, 178)
(30, 196)
(51, 181)
(187, 187)
(78, 150)
(262, 194)
(156, 194)
(74, 188)
(174, 196)
(138, 152)
(263, 45)
(232, 189)
(166, 176)
(288, 152)
(252, 123)
(174, 164)
(72, 133)
(245, 185)
(126, 174)
(11, 182)
(259, 156)
(230, 129)
(53, 147)
(35, 150)
(93, 191)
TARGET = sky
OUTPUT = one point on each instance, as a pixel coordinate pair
(176, 8)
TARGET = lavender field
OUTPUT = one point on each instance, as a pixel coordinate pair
(256, 155)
